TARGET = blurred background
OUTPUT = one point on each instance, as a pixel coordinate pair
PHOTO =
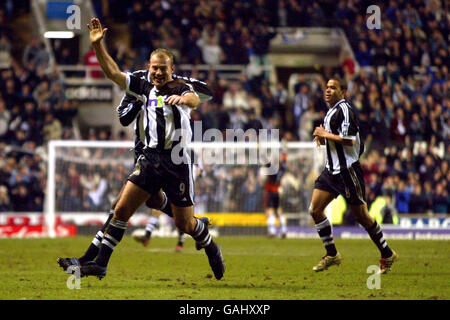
(267, 62)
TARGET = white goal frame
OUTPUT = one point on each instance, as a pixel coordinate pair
(50, 197)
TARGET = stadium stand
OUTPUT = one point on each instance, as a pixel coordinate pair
(398, 82)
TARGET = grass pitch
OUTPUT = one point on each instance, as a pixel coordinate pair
(257, 269)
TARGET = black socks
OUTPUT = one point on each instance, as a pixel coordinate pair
(376, 235)
(94, 247)
(113, 236)
(326, 235)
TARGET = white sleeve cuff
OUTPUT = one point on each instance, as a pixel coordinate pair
(189, 91)
(347, 137)
(128, 80)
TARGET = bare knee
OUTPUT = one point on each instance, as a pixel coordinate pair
(317, 213)
(122, 213)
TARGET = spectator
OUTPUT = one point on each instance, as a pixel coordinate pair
(301, 104)
(388, 212)
(418, 202)
(5, 44)
(363, 55)
(416, 128)
(251, 196)
(42, 58)
(260, 45)
(42, 92)
(282, 13)
(193, 52)
(253, 122)
(21, 198)
(211, 51)
(238, 119)
(235, 97)
(5, 203)
(229, 50)
(398, 126)
(402, 197)
(30, 53)
(426, 169)
(90, 60)
(5, 117)
(441, 200)
(281, 99)
(66, 114)
(348, 65)
(52, 129)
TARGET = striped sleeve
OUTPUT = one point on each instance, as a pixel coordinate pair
(138, 87)
(189, 89)
(348, 127)
(203, 91)
(128, 109)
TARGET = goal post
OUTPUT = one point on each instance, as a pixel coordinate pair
(53, 145)
(83, 176)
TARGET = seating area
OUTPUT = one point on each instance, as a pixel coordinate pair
(400, 90)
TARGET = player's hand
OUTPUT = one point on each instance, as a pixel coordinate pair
(96, 33)
(317, 141)
(320, 132)
(176, 99)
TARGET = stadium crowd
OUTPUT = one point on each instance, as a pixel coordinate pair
(399, 87)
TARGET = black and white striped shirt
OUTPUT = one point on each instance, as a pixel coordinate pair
(341, 120)
(132, 108)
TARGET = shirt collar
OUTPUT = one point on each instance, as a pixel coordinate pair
(337, 103)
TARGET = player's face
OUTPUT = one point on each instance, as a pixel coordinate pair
(333, 92)
(160, 70)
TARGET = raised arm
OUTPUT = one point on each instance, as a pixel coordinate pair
(109, 67)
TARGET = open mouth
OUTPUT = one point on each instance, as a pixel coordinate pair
(158, 79)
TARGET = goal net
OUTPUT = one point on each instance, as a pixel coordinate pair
(85, 176)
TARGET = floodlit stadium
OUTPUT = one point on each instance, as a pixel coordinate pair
(162, 164)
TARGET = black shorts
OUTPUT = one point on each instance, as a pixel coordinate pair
(349, 183)
(271, 200)
(155, 170)
(138, 150)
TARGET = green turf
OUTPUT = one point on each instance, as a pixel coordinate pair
(257, 269)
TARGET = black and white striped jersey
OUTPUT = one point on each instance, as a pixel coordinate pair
(203, 91)
(156, 122)
(341, 120)
(130, 108)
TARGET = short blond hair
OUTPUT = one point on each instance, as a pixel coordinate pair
(163, 52)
